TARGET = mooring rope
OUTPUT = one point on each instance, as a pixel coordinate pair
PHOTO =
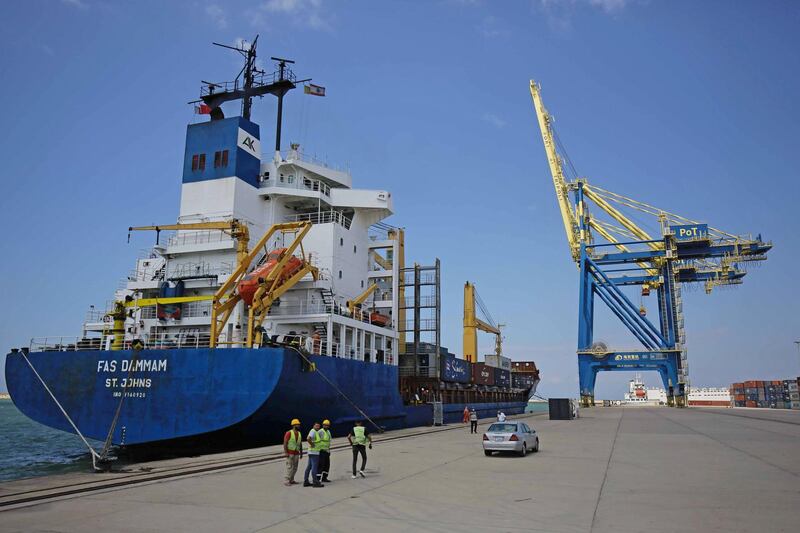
(323, 376)
(95, 456)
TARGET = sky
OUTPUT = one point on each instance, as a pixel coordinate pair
(690, 106)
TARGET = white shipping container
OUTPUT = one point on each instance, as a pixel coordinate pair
(795, 405)
(498, 362)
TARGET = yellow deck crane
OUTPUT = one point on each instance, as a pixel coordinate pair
(472, 324)
(355, 303)
(235, 228)
(270, 287)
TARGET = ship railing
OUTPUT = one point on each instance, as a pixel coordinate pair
(289, 156)
(321, 217)
(199, 269)
(198, 237)
(259, 80)
(317, 307)
(290, 181)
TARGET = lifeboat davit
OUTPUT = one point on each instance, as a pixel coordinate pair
(248, 286)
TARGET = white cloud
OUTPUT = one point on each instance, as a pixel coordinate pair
(217, 15)
(559, 12)
(80, 4)
(490, 27)
(307, 13)
(609, 6)
(494, 120)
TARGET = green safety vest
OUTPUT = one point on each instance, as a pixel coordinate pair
(359, 432)
(294, 444)
(317, 446)
(325, 439)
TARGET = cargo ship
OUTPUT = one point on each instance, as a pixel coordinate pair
(280, 292)
(638, 394)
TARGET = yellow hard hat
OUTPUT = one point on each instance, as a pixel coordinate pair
(324, 422)
(295, 422)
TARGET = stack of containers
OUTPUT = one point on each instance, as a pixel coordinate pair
(793, 393)
(751, 392)
(774, 394)
(737, 395)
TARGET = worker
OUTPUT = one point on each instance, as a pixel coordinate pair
(358, 438)
(501, 416)
(473, 421)
(314, 445)
(325, 452)
(293, 450)
(465, 417)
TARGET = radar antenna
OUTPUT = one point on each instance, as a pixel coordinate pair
(251, 81)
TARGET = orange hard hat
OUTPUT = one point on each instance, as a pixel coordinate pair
(295, 422)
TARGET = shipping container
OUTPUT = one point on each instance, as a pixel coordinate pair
(455, 370)
(498, 361)
(753, 384)
(795, 405)
(482, 374)
(502, 377)
(738, 397)
(522, 380)
(739, 404)
(750, 403)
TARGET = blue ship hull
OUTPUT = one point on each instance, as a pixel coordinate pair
(233, 397)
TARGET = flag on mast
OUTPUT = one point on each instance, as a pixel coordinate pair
(202, 109)
(314, 90)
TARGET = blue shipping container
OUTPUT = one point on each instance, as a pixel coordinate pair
(502, 377)
(457, 370)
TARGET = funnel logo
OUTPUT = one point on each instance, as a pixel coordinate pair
(626, 357)
(249, 143)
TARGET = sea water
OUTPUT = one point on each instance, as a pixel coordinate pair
(29, 449)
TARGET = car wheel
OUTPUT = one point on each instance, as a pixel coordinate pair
(524, 451)
(536, 448)
(487, 453)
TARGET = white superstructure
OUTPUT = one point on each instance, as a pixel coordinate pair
(347, 242)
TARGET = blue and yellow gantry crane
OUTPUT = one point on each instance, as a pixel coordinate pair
(625, 255)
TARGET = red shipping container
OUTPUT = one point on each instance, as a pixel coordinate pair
(751, 384)
(739, 397)
(737, 385)
(750, 403)
(777, 382)
(482, 374)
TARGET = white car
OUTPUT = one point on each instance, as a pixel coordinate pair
(510, 436)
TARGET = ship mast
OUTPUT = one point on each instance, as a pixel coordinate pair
(250, 82)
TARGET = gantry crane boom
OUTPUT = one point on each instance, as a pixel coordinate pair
(472, 324)
(235, 228)
(568, 217)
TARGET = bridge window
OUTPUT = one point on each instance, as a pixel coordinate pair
(198, 162)
(355, 250)
(341, 241)
(340, 274)
(221, 159)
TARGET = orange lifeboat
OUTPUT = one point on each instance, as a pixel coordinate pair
(248, 286)
(378, 319)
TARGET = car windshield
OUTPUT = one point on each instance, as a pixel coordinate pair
(503, 428)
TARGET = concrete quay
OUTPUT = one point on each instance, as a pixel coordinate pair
(613, 470)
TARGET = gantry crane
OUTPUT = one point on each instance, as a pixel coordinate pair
(686, 251)
(472, 301)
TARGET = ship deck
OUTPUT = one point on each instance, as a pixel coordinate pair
(612, 470)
